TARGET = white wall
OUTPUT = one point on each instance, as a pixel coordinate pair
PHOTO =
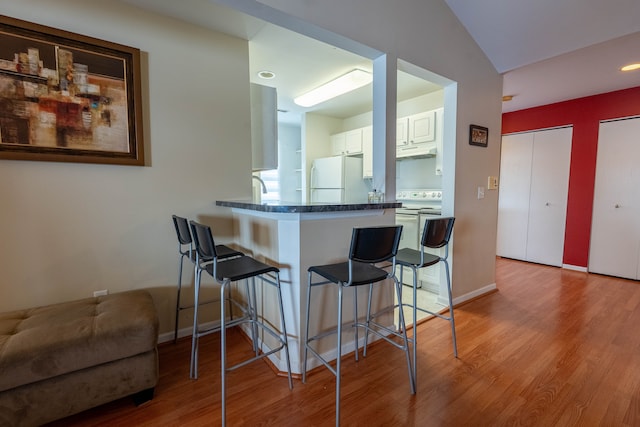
(428, 35)
(70, 229)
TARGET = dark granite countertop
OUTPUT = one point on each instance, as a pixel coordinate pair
(285, 207)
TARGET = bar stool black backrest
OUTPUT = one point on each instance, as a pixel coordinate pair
(437, 232)
(182, 229)
(203, 239)
(375, 244)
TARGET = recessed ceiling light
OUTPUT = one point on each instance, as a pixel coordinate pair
(507, 98)
(631, 67)
(266, 74)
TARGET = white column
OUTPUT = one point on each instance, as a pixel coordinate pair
(385, 72)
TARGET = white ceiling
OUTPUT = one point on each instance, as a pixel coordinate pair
(555, 50)
(548, 50)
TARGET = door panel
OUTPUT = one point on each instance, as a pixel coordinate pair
(615, 227)
(513, 201)
(548, 198)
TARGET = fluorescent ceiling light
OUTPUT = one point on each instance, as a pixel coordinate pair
(630, 67)
(346, 83)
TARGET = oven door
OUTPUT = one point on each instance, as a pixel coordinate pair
(410, 228)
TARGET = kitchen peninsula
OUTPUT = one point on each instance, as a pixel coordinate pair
(294, 237)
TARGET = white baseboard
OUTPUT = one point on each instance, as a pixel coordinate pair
(185, 332)
(442, 299)
(575, 268)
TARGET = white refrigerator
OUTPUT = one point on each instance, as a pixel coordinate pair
(338, 180)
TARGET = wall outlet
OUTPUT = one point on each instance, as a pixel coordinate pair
(101, 293)
(492, 183)
(480, 193)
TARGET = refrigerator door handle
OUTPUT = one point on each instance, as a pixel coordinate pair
(313, 173)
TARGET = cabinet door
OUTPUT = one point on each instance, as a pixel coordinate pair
(367, 152)
(439, 140)
(513, 198)
(548, 198)
(422, 127)
(353, 141)
(402, 132)
(615, 226)
(338, 144)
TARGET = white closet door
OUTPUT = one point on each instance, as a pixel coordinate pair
(615, 227)
(548, 198)
(513, 201)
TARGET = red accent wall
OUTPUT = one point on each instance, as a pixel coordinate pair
(585, 115)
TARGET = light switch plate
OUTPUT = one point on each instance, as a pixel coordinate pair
(492, 183)
(480, 193)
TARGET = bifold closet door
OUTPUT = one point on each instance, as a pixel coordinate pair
(532, 204)
(615, 226)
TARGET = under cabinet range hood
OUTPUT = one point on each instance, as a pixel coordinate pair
(421, 153)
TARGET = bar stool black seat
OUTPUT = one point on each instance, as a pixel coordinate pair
(224, 273)
(186, 250)
(436, 234)
(369, 246)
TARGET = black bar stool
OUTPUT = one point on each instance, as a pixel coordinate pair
(233, 270)
(369, 246)
(186, 250)
(436, 234)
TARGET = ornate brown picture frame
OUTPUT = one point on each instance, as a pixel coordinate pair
(67, 97)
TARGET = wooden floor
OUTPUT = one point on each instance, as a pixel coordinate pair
(552, 348)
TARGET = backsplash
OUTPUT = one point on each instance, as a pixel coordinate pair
(417, 173)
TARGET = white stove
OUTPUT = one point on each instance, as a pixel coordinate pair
(424, 201)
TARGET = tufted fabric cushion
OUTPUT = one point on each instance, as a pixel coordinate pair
(44, 342)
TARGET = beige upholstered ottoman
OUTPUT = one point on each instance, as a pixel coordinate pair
(61, 359)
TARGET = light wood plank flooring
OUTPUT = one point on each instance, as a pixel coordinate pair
(551, 348)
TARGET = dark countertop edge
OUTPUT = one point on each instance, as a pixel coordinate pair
(301, 208)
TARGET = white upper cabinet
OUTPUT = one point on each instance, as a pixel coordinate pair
(347, 143)
(417, 135)
(354, 141)
(402, 132)
(422, 127)
(338, 143)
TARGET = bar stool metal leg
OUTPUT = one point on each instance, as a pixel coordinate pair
(193, 370)
(284, 330)
(453, 322)
(339, 355)
(175, 330)
(223, 352)
(306, 334)
(412, 378)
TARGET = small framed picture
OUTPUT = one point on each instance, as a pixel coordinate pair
(478, 135)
